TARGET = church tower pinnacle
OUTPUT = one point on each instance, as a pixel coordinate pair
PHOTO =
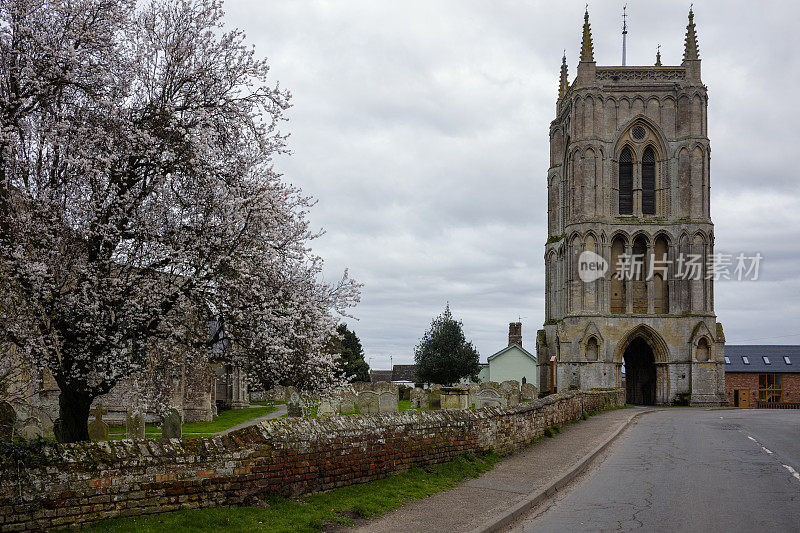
(587, 48)
(563, 83)
(691, 51)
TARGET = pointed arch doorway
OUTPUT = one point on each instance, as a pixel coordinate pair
(640, 373)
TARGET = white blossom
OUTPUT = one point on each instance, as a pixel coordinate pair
(139, 202)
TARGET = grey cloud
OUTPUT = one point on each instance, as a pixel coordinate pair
(422, 129)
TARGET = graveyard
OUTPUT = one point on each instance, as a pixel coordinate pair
(359, 441)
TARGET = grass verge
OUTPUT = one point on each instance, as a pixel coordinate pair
(311, 512)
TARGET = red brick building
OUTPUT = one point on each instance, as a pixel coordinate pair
(762, 376)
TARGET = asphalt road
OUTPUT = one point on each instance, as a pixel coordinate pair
(687, 470)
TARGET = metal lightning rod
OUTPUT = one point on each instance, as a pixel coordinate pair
(624, 31)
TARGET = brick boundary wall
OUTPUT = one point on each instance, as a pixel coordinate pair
(85, 482)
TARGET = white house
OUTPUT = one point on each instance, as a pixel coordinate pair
(513, 361)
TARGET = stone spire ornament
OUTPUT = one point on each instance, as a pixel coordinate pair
(563, 84)
(587, 48)
(692, 50)
(658, 56)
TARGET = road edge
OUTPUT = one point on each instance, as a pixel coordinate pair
(557, 483)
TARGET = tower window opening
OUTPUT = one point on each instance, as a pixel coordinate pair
(649, 182)
(625, 183)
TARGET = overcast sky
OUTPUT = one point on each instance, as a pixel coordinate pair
(422, 130)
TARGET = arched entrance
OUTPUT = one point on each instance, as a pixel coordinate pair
(640, 373)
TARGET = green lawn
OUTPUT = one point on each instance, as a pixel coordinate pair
(405, 405)
(225, 420)
(311, 512)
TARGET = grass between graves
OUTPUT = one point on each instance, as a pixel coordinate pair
(310, 513)
(225, 420)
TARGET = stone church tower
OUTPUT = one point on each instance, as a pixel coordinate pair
(629, 178)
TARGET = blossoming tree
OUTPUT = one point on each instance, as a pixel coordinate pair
(138, 200)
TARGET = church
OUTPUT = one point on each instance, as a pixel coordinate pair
(629, 291)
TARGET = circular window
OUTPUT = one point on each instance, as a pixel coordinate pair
(638, 133)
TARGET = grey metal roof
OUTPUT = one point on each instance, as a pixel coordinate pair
(755, 354)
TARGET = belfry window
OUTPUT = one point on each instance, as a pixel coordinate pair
(625, 183)
(649, 182)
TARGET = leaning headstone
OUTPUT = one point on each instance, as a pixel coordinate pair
(8, 417)
(368, 402)
(435, 399)
(529, 391)
(419, 398)
(134, 425)
(510, 389)
(98, 430)
(293, 405)
(172, 428)
(387, 402)
(488, 398)
(325, 409)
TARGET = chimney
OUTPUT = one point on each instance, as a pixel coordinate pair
(515, 334)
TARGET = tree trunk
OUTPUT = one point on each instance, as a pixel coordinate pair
(73, 407)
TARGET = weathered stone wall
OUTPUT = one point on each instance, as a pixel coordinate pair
(91, 481)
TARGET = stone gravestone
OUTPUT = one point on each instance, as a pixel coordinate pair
(490, 385)
(435, 399)
(419, 398)
(325, 409)
(277, 393)
(384, 386)
(473, 392)
(361, 386)
(529, 391)
(98, 430)
(134, 425)
(347, 402)
(454, 397)
(368, 402)
(31, 428)
(387, 402)
(293, 405)
(510, 389)
(488, 398)
(172, 427)
(8, 417)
